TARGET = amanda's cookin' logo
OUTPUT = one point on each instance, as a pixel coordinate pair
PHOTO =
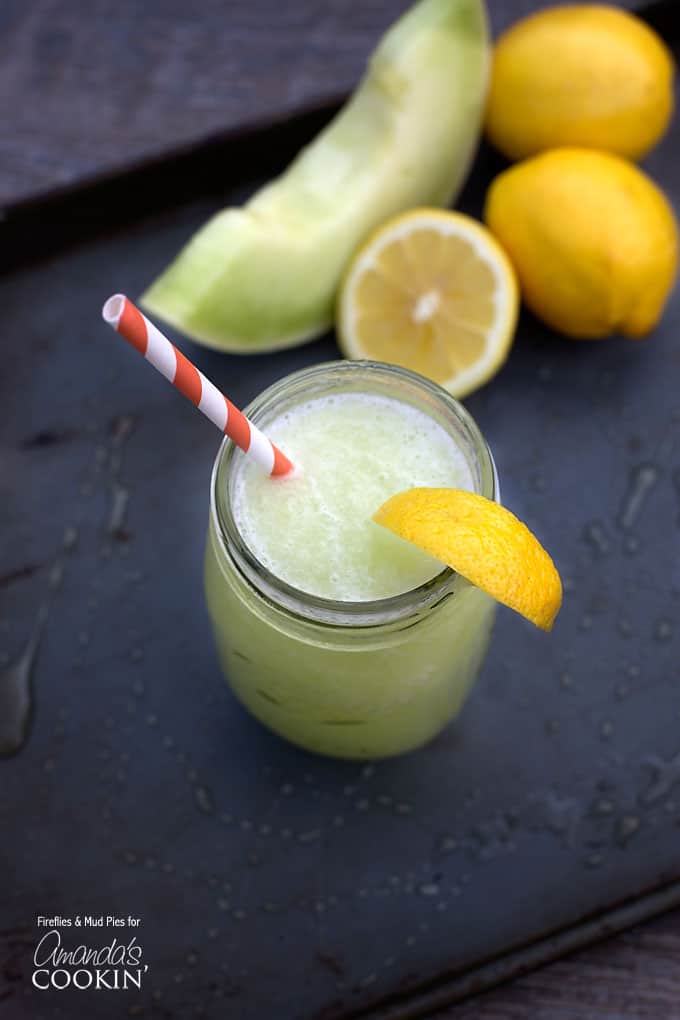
(116, 966)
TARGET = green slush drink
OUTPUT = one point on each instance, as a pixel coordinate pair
(333, 632)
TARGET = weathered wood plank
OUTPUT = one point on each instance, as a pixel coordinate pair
(635, 976)
(88, 88)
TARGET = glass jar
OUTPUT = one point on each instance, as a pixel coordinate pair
(347, 679)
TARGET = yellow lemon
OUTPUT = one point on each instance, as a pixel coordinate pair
(434, 292)
(593, 240)
(581, 74)
(483, 542)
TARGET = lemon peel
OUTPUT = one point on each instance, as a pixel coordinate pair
(482, 541)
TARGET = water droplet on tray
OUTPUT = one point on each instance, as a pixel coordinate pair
(606, 729)
(595, 536)
(15, 691)
(665, 774)
(624, 627)
(70, 539)
(120, 497)
(642, 480)
(120, 428)
(560, 815)
(309, 837)
(428, 889)
(204, 800)
(626, 827)
(56, 575)
(663, 629)
(631, 544)
(448, 844)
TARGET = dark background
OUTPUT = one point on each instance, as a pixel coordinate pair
(91, 86)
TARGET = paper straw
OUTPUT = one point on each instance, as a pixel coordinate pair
(126, 319)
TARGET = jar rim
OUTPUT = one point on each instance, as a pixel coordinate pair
(403, 608)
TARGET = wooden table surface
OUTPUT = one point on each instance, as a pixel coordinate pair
(634, 976)
(91, 88)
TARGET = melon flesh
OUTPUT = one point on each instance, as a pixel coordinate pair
(265, 276)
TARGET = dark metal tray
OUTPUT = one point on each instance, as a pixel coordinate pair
(270, 882)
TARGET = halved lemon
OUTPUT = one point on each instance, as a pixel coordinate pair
(432, 291)
(484, 542)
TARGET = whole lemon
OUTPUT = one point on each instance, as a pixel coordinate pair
(582, 74)
(593, 239)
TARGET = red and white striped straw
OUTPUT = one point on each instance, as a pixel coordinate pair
(126, 319)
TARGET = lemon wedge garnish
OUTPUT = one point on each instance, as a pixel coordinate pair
(432, 291)
(483, 542)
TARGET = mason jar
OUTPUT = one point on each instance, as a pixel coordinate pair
(364, 679)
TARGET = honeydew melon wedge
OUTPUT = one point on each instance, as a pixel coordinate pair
(265, 276)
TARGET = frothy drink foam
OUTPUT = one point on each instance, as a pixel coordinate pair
(355, 450)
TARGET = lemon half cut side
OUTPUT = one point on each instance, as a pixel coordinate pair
(432, 291)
